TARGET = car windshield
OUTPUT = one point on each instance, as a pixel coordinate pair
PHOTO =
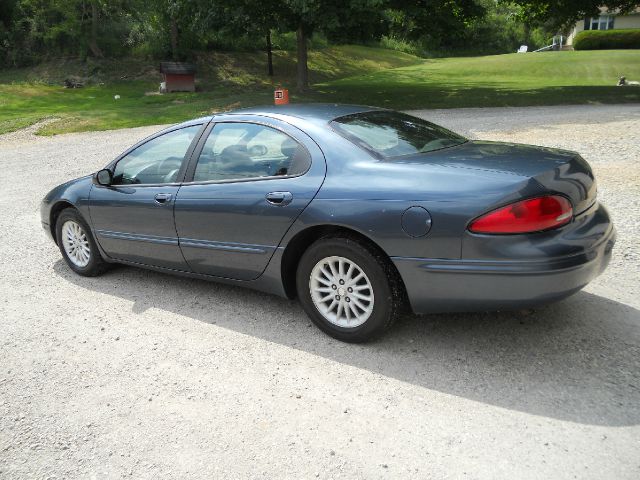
(393, 134)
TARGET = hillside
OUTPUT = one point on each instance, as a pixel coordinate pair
(224, 81)
(353, 74)
(549, 78)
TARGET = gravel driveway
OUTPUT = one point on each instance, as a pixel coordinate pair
(141, 375)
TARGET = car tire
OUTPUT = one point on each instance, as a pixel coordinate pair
(77, 245)
(349, 290)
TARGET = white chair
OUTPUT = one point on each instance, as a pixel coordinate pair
(523, 49)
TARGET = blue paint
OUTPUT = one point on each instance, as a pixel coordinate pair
(415, 208)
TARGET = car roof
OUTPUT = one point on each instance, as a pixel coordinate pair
(320, 114)
(323, 112)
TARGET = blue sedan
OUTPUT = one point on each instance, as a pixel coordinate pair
(359, 212)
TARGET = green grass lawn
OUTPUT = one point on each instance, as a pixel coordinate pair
(351, 74)
(549, 78)
(225, 81)
(95, 107)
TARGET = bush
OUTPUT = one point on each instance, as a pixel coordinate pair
(607, 39)
(404, 46)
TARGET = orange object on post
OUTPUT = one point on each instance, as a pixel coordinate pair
(281, 96)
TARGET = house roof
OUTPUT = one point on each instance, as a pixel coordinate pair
(179, 68)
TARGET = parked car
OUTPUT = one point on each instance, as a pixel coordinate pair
(359, 212)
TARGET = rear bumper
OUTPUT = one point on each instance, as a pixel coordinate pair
(436, 285)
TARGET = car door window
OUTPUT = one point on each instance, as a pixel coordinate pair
(156, 161)
(237, 151)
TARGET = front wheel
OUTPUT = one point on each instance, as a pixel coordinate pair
(348, 290)
(77, 245)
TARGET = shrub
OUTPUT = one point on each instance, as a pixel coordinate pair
(392, 43)
(607, 39)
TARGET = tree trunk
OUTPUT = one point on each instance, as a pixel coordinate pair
(174, 38)
(527, 33)
(93, 41)
(303, 69)
(269, 54)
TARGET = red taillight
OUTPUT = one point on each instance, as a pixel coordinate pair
(532, 215)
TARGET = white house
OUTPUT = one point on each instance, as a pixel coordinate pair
(606, 21)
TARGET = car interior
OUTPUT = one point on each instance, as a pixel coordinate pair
(249, 157)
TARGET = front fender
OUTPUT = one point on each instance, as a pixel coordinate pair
(74, 193)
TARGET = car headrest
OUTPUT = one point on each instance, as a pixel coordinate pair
(236, 154)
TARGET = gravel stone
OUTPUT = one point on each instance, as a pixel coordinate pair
(443, 395)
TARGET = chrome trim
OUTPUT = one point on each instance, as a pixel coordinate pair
(242, 180)
(231, 247)
(136, 185)
(188, 242)
(137, 238)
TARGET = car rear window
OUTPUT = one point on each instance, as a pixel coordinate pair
(392, 134)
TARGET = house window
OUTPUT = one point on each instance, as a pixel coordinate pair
(603, 22)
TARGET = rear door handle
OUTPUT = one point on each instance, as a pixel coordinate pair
(163, 198)
(279, 198)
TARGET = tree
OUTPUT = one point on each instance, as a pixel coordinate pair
(93, 39)
(438, 22)
(168, 23)
(172, 11)
(307, 16)
(260, 17)
(62, 26)
(561, 13)
(245, 17)
(7, 13)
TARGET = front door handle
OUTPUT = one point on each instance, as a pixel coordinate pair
(279, 198)
(163, 198)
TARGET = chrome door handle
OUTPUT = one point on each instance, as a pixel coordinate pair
(279, 199)
(163, 198)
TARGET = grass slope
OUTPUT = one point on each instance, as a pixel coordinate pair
(225, 81)
(350, 74)
(549, 78)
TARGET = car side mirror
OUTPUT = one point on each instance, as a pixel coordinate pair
(103, 177)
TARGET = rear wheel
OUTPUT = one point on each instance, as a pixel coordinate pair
(77, 245)
(348, 290)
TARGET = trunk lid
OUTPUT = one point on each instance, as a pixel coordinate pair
(557, 171)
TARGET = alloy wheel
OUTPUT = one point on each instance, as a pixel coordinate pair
(341, 292)
(76, 244)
